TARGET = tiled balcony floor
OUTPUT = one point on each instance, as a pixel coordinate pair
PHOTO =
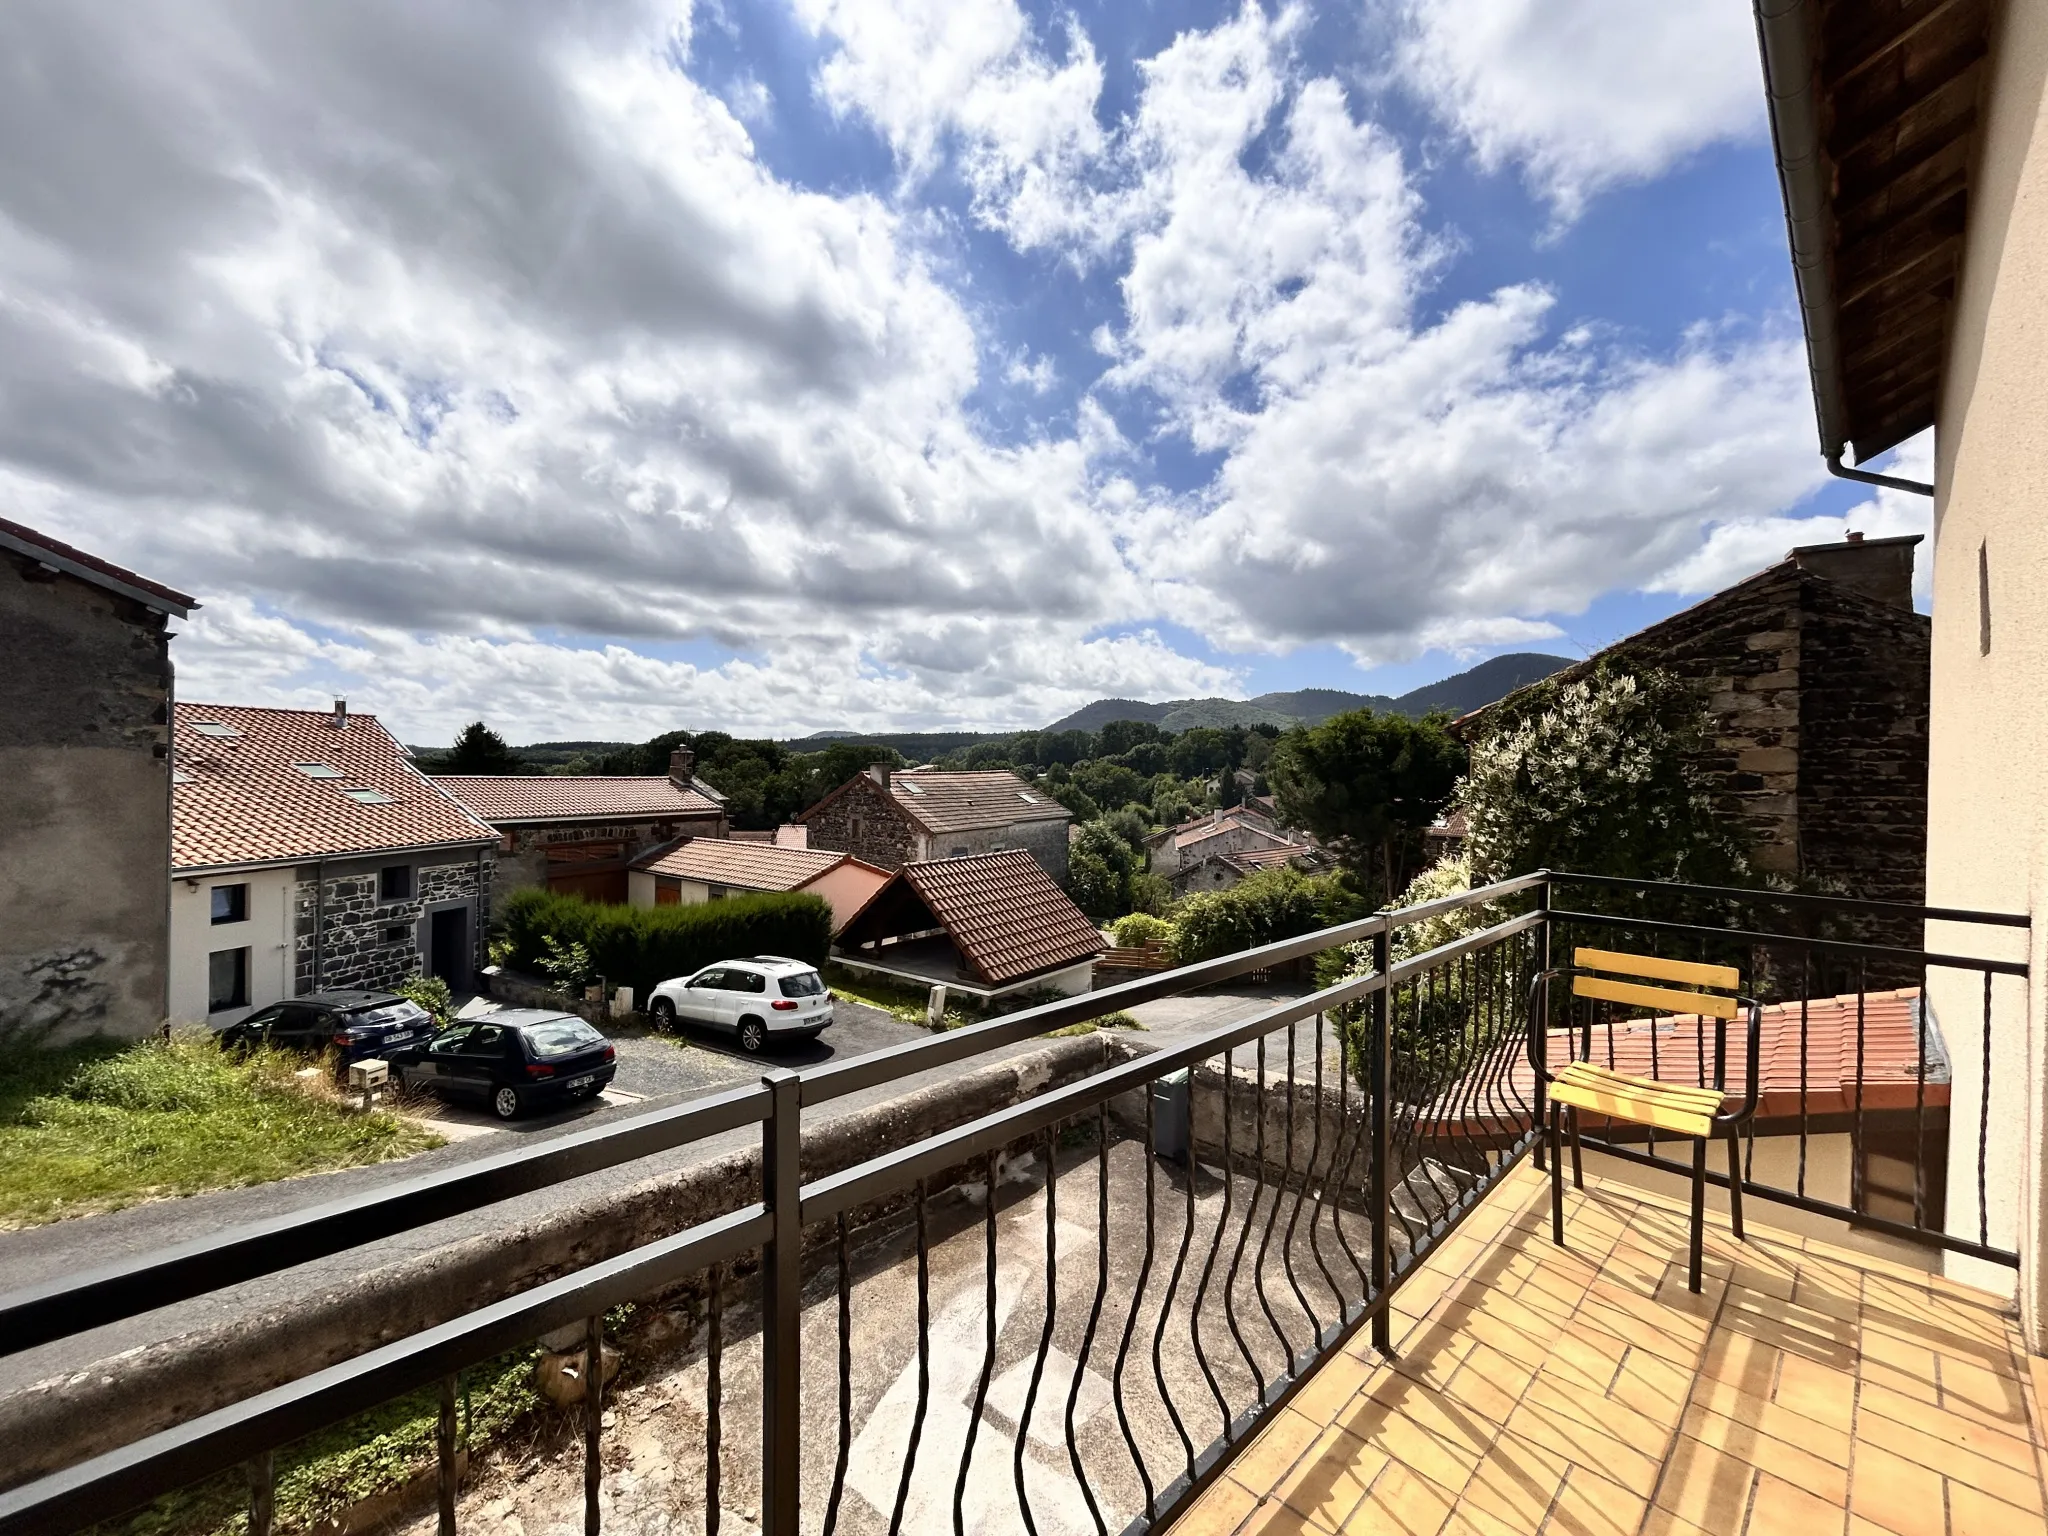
(1582, 1391)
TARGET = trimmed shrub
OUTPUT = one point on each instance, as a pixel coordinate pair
(1140, 928)
(1260, 909)
(641, 947)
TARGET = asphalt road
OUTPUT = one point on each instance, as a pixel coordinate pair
(652, 1066)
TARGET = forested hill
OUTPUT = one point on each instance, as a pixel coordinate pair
(1467, 690)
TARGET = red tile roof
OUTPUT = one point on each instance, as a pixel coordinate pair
(749, 865)
(90, 567)
(502, 799)
(1890, 1072)
(963, 802)
(1003, 912)
(1250, 860)
(1207, 830)
(237, 798)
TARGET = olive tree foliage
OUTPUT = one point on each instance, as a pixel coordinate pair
(1367, 784)
(1600, 775)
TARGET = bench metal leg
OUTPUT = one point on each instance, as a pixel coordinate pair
(1578, 1159)
(1735, 1183)
(1699, 1210)
(1556, 1180)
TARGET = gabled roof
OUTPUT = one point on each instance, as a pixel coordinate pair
(749, 865)
(1239, 826)
(1002, 911)
(72, 561)
(961, 802)
(1250, 860)
(506, 799)
(270, 786)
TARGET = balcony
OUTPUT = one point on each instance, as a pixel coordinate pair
(1293, 1274)
(1583, 1390)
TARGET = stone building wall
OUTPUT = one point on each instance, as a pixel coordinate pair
(523, 851)
(373, 943)
(863, 819)
(869, 822)
(85, 820)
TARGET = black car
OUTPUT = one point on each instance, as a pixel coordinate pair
(514, 1060)
(355, 1024)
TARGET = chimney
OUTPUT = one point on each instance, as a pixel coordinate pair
(1878, 568)
(341, 714)
(792, 835)
(682, 767)
(879, 772)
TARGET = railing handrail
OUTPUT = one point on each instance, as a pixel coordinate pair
(830, 1082)
(73, 1304)
(1904, 909)
(890, 1171)
(1797, 941)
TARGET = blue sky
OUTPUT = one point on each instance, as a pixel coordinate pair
(806, 364)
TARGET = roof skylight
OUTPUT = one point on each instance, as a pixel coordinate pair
(370, 796)
(911, 788)
(318, 771)
(214, 728)
(1027, 797)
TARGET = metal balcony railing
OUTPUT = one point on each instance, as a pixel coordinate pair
(1217, 1218)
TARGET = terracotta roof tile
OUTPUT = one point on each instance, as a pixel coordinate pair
(238, 796)
(90, 567)
(753, 866)
(1005, 914)
(562, 797)
(1890, 1069)
(961, 802)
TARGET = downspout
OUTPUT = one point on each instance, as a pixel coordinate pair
(319, 921)
(1785, 36)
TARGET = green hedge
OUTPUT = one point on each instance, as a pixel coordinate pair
(640, 947)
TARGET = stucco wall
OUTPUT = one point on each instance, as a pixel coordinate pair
(846, 890)
(266, 933)
(85, 827)
(1988, 768)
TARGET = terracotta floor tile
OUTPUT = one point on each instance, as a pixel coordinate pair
(1767, 1453)
(1817, 1392)
(1781, 1508)
(1402, 1503)
(1971, 1513)
(1741, 1361)
(1591, 1505)
(1330, 1478)
(1661, 1522)
(1708, 1487)
(1569, 1436)
(1774, 1419)
(1466, 1521)
(1335, 1383)
(1261, 1465)
(1271, 1519)
(2007, 1442)
(1965, 1386)
(1897, 1494)
(1980, 1472)
(1516, 1482)
(1219, 1512)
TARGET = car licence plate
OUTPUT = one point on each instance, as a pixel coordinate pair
(583, 1082)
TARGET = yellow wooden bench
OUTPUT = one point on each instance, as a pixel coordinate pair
(1582, 1086)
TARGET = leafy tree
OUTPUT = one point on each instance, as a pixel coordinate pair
(1096, 887)
(1204, 752)
(1147, 758)
(1120, 736)
(1109, 784)
(1260, 909)
(1601, 775)
(1367, 784)
(479, 749)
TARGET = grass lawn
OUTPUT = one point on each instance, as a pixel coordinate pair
(103, 1124)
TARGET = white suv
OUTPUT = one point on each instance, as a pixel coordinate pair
(755, 998)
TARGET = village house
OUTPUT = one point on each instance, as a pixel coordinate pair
(1214, 852)
(890, 819)
(985, 925)
(85, 822)
(696, 869)
(581, 834)
(1815, 674)
(308, 854)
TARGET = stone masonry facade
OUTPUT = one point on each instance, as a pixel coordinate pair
(373, 943)
(1817, 689)
(869, 822)
(863, 819)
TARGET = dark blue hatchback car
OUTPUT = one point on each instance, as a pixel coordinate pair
(356, 1025)
(515, 1060)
